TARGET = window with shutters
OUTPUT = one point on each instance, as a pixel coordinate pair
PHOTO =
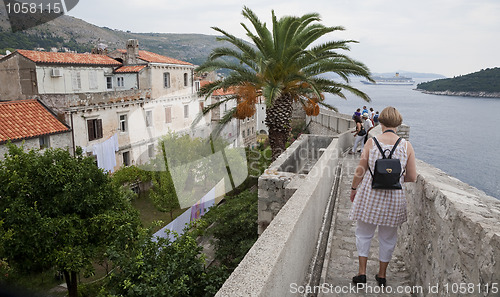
(123, 123)
(94, 128)
(202, 105)
(186, 79)
(120, 81)
(166, 79)
(126, 158)
(197, 86)
(76, 80)
(149, 118)
(109, 82)
(168, 114)
(93, 80)
(44, 141)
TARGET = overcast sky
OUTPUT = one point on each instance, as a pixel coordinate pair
(449, 37)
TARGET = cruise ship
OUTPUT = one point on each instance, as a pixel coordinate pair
(395, 80)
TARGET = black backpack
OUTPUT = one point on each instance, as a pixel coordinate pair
(387, 171)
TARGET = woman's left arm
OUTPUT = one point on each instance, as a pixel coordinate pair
(411, 165)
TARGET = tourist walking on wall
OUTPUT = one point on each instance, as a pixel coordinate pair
(372, 114)
(367, 124)
(365, 110)
(359, 133)
(375, 119)
(357, 113)
(382, 208)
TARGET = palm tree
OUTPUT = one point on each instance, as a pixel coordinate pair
(282, 66)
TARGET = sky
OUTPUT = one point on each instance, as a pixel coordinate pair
(448, 37)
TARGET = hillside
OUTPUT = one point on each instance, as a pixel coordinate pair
(76, 34)
(485, 83)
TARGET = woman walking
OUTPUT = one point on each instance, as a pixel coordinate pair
(359, 133)
(382, 208)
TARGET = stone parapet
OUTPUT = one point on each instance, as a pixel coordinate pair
(452, 235)
(329, 122)
(285, 175)
(282, 254)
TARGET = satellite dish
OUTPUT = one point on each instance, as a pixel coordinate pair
(7, 52)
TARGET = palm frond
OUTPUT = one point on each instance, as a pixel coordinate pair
(223, 122)
(209, 108)
(328, 106)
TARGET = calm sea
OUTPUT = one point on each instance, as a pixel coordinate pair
(459, 135)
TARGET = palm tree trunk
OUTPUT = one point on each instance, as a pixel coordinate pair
(278, 118)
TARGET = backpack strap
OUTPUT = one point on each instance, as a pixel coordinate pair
(383, 152)
(379, 147)
(394, 147)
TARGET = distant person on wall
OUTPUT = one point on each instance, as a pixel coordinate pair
(382, 208)
(357, 113)
(367, 124)
(372, 113)
(375, 119)
(359, 133)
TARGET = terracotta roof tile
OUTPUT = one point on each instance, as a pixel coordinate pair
(156, 58)
(218, 92)
(27, 119)
(68, 58)
(130, 69)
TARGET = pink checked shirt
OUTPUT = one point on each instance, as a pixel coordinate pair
(381, 207)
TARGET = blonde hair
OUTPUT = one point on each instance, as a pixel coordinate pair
(390, 117)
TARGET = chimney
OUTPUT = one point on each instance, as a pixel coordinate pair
(132, 52)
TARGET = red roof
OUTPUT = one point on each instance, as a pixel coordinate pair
(68, 58)
(156, 58)
(218, 92)
(130, 69)
(27, 119)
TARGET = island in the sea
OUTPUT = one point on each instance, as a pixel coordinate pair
(484, 83)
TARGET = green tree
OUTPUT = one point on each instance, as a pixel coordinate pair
(160, 267)
(233, 227)
(59, 211)
(282, 66)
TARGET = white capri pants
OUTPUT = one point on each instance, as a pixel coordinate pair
(387, 237)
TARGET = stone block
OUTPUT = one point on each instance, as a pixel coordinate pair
(265, 216)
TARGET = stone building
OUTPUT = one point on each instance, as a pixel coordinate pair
(118, 106)
(239, 132)
(30, 123)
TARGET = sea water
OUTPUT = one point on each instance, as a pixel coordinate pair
(459, 135)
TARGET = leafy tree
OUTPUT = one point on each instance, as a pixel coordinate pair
(59, 210)
(186, 165)
(156, 268)
(282, 67)
(233, 225)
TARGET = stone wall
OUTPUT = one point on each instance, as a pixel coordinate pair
(453, 232)
(283, 177)
(282, 254)
(452, 235)
(60, 140)
(329, 122)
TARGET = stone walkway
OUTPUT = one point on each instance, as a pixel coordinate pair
(341, 260)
